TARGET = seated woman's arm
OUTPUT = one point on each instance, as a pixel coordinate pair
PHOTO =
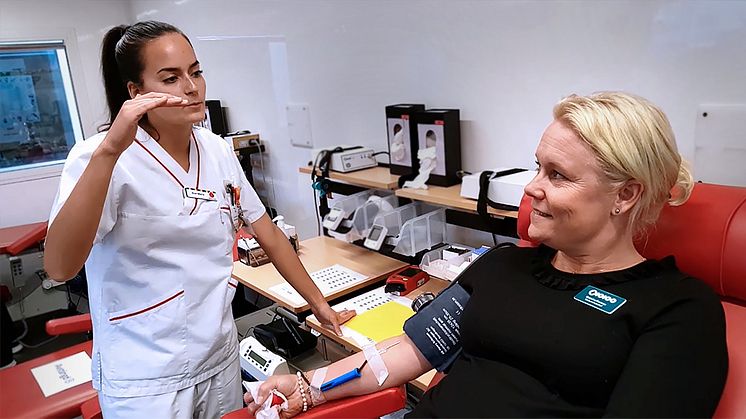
(678, 366)
(403, 361)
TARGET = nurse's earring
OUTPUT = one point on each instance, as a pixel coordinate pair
(617, 211)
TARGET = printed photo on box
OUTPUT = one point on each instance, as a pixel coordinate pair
(431, 136)
(399, 141)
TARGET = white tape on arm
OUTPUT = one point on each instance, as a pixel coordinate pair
(376, 363)
(317, 397)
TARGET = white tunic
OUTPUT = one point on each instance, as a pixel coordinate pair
(159, 272)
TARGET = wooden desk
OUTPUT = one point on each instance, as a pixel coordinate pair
(315, 254)
(435, 285)
(449, 197)
(375, 177)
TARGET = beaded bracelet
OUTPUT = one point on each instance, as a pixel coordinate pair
(302, 392)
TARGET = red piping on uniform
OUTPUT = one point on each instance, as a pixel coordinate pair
(124, 316)
(159, 162)
(199, 159)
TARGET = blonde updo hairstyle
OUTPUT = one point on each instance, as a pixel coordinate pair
(632, 139)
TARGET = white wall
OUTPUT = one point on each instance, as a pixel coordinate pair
(84, 23)
(504, 64)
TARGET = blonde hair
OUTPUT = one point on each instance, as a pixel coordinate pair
(632, 139)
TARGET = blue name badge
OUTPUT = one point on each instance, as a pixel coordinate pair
(600, 299)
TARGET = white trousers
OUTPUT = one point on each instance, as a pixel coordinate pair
(211, 398)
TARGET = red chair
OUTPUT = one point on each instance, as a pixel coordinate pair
(369, 406)
(365, 407)
(21, 396)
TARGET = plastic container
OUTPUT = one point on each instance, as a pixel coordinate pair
(414, 227)
(364, 206)
(448, 268)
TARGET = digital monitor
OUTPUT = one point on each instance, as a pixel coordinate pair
(255, 356)
(375, 233)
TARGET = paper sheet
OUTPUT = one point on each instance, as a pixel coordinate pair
(63, 374)
(382, 322)
(329, 280)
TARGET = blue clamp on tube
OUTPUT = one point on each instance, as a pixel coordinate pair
(341, 379)
(349, 376)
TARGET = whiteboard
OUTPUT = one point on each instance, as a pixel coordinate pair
(720, 144)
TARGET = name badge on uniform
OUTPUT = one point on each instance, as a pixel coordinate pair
(202, 194)
(600, 299)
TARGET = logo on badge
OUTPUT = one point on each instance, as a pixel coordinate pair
(599, 299)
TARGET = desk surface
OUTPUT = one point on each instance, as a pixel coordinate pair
(449, 197)
(375, 177)
(435, 285)
(315, 254)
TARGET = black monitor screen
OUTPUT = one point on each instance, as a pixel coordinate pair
(255, 356)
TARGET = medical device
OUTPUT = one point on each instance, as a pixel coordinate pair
(334, 218)
(259, 362)
(376, 237)
(505, 186)
(347, 159)
(406, 280)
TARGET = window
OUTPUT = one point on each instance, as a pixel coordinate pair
(39, 120)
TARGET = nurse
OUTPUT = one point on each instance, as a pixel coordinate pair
(151, 205)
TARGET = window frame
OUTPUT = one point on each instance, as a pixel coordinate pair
(68, 38)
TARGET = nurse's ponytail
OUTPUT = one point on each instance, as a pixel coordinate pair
(116, 87)
(121, 60)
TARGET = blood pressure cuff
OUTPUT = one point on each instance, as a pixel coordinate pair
(435, 328)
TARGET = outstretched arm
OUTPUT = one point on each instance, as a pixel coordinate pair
(403, 361)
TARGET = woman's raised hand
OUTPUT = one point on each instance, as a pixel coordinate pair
(122, 132)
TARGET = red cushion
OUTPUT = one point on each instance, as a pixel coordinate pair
(707, 235)
(14, 240)
(524, 219)
(21, 396)
(91, 409)
(734, 256)
(372, 405)
(67, 325)
(733, 401)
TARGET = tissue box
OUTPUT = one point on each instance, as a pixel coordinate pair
(402, 137)
(440, 128)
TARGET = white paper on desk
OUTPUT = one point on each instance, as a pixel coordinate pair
(329, 280)
(63, 374)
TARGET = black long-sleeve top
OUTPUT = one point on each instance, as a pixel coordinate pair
(531, 350)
